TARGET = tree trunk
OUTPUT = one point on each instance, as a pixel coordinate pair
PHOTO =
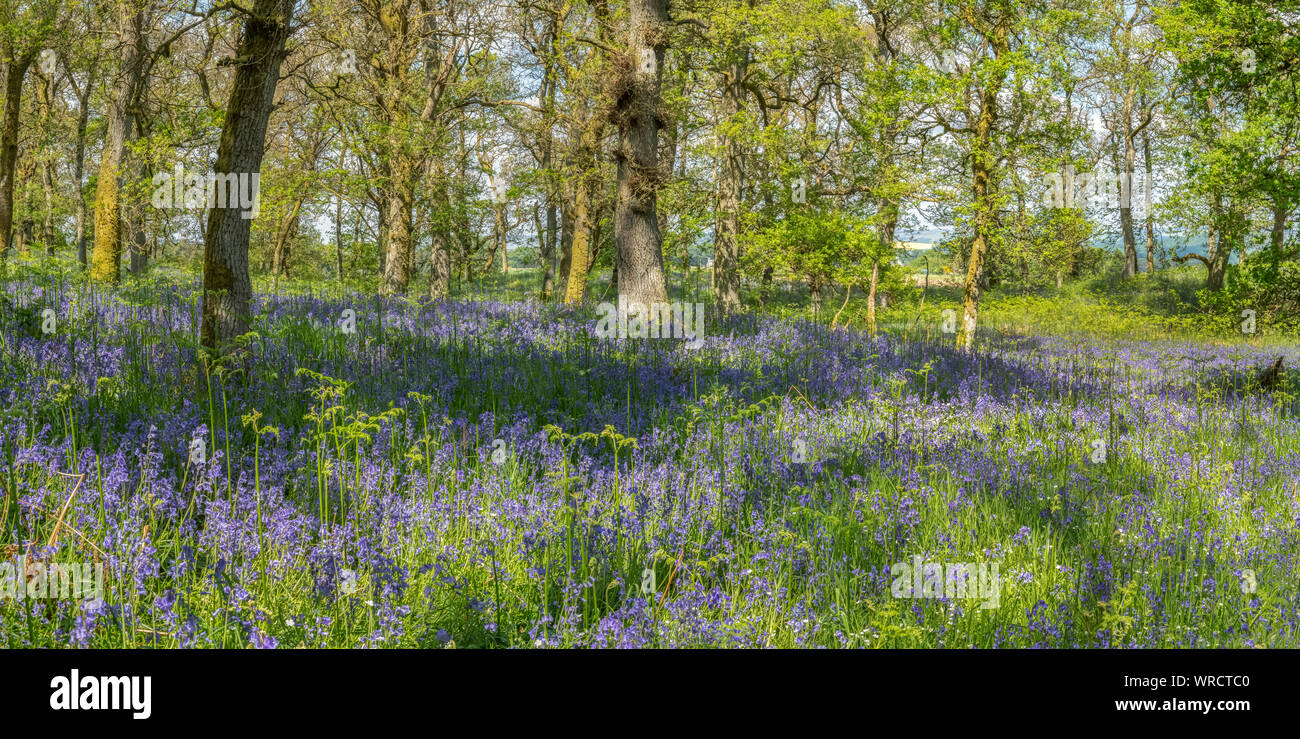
(578, 259)
(498, 239)
(338, 233)
(467, 242)
(26, 235)
(1221, 244)
(47, 223)
(381, 236)
(639, 117)
(547, 237)
(1219, 262)
(888, 210)
(1125, 204)
(667, 160)
(106, 259)
(1277, 235)
(575, 264)
(567, 225)
(501, 228)
(79, 164)
(47, 93)
(1146, 197)
(133, 210)
(985, 201)
(15, 72)
(871, 296)
(227, 290)
(401, 201)
(440, 250)
(284, 236)
(731, 168)
(546, 240)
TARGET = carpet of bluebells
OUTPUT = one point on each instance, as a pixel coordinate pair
(493, 474)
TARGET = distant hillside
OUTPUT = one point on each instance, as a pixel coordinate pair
(915, 243)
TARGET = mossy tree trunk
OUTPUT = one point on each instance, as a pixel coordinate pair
(105, 261)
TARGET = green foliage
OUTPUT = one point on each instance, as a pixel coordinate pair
(1268, 287)
(821, 246)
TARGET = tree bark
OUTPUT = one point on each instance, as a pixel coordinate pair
(639, 117)
(105, 265)
(440, 251)
(498, 238)
(871, 296)
(567, 225)
(1220, 247)
(15, 72)
(284, 236)
(227, 290)
(47, 222)
(547, 239)
(338, 223)
(982, 173)
(1146, 195)
(400, 204)
(501, 229)
(79, 163)
(381, 237)
(1277, 234)
(133, 212)
(731, 169)
(1126, 204)
(578, 255)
